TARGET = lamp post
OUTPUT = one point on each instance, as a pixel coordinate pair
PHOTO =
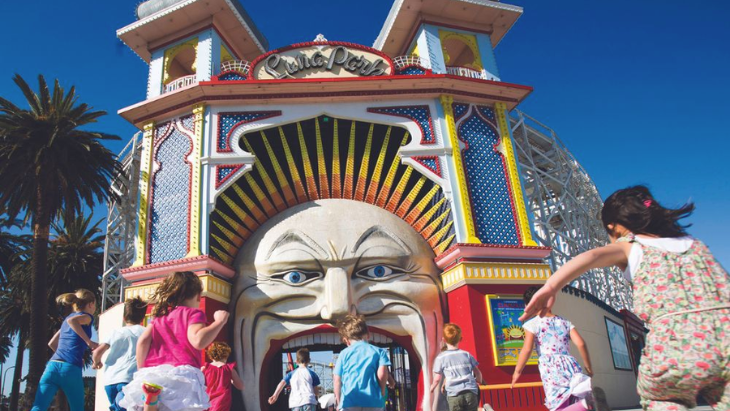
(5, 374)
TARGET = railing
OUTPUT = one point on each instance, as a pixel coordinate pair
(466, 72)
(181, 82)
(239, 66)
(405, 61)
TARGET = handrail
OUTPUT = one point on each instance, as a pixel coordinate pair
(506, 386)
(181, 82)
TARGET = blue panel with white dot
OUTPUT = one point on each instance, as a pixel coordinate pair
(412, 71)
(170, 199)
(227, 121)
(492, 206)
(231, 76)
(420, 114)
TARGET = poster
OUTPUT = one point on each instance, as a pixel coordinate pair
(505, 329)
(619, 347)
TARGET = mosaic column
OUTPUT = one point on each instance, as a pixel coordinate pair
(144, 193)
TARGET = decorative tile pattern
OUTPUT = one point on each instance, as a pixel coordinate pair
(460, 110)
(488, 187)
(494, 273)
(228, 122)
(412, 71)
(232, 76)
(188, 123)
(224, 171)
(170, 198)
(421, 115)
(432, 163)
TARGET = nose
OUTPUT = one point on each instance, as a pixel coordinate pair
(337, 294)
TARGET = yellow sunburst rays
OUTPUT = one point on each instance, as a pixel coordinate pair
(418, 210)
(350, 165)
(362, 178)
(235, 237)
(405, 206)
(308, 173)
(389, 178)
(283, 182)
(394, 199)
(293, 171)
(324, 186)
(336, 183)
(375, 180)
(279, 204)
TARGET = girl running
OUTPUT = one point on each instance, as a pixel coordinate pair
(552, 336)
(169, 352)
(680, 291)
(69, 345)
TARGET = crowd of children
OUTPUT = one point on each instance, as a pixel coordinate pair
(680, 291)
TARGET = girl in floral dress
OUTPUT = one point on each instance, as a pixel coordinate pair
(562, 377)
(680, 291)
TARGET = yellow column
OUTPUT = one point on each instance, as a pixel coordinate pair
(463, 189)
(514, 176)
(144, 192)
(194, 223)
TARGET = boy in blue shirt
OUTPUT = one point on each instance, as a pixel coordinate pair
(361, 372)
(121, 363)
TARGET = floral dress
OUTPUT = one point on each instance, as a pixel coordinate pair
(557, 366)
(685, 300)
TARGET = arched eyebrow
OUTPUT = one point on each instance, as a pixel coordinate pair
(380, 232)
(298, 237)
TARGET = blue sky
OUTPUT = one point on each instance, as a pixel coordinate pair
(637, 90)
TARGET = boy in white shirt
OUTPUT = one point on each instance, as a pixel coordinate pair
(121, 363)
(304, 385)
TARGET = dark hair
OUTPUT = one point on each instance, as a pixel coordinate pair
(637, 210)
(303, 356)
(175, 289)
(134, 310)
(527, 296)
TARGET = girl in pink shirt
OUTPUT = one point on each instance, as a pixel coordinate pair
(169, 352)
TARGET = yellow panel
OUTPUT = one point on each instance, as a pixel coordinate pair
(195, 199)
(469, 40)
(144, 194)
(463, 188)
(170, 57)
(514, 175)
(494, 273)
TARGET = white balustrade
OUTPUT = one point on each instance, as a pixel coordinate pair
(406, 61)
(180, 83)
(239, 66)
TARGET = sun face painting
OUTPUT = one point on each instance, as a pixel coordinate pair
(507, 333)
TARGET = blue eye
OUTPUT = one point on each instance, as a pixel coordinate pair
(296, 277)
(378, 272)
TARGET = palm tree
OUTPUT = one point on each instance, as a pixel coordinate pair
(11, 247)
(49, 165)
(75, 261)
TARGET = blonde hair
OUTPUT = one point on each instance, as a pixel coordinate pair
(219, 351)
(452, 333)
(79, 299)
(175, 289)
(353, 327)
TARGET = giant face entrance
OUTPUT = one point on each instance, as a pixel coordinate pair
(324, 349)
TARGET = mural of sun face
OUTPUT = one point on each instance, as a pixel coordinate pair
(315, 263)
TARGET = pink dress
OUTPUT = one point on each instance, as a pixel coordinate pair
(172, 363)
(170, 343)
(218, 385)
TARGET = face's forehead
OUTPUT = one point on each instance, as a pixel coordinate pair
(335, 226)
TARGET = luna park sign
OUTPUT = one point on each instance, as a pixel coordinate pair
(321, 61)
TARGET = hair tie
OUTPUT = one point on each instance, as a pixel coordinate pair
(647, 203)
